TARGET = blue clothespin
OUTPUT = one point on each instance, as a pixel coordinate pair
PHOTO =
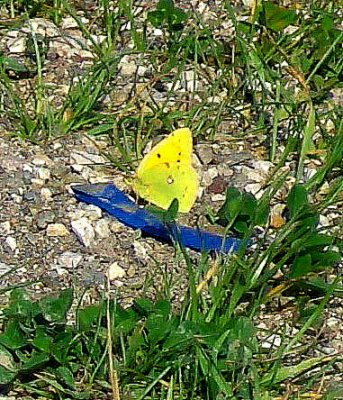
(119, 205)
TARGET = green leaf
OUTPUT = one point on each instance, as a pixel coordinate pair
(42, 340)
(324, 260)
(241, 227)
(232, 205)
(334, 392)
(171, 214)
(65, 375)
(317, 239)
(61, 347)
(297, 200)
(35, 361)
(21, 307)
(166, 6)
(55, 309)
(13, 336)
(12, 64)
(144, 306)
(8, 367)
(125, 320)
(178, 17)
(277, 18)
(6, 376)
(288, 373)
(163, 307)
(301, 266)
(321, 286)
(158, 328)
(101, 129)
(87, 317)
(249, 204)
(262, 212)
(156, 18)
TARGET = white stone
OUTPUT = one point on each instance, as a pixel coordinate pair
(46, 194)
(218, 197)
(324, 221)
(58, 145)
(158, 32)
(37, 182)
(102, 228)
(44, 174)
(334, 322)
(4, 268)
(41, 160)
(86, 173)
(93, 213)
(16, 198)
(141, 70)
(69, 23)
(115, 271)
(255, 189)
(128, 69)
(253, 174)
(11, 242)
(264, 166)
(140, 250)
(17, 45)
(84, 158)
(224, 170)
(84, 231)
(208, 176)
(27, 168)
(77, 167)
(57, 230)
(5, 228)
(69, 259)
(98, 39)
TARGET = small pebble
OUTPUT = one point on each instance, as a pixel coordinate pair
(115, 271)
(5, 228)
(57, 230)
(44, 174)
(11, 242)
(46, 194)
(44, 218)
(69, 260)
(4, 268)
(102, 228)
(84, 231)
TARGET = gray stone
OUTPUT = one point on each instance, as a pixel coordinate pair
(44, 218)
(84, 231)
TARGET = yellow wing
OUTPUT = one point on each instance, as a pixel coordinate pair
(166, 172)
(177, 147)
(161, 184)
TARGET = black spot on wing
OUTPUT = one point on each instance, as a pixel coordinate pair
(158, 155)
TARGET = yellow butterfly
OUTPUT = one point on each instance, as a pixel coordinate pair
(166, 172)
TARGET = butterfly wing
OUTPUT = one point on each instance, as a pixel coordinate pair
(163, 183)
(175, 148)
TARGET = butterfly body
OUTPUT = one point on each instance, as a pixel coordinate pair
(166, 172)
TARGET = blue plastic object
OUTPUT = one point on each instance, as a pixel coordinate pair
(116, 203)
